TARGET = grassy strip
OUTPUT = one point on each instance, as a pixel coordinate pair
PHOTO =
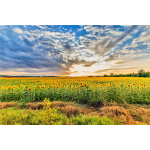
(13, 116)
(58, 112)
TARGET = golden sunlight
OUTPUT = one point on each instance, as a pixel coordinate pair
(80, 70)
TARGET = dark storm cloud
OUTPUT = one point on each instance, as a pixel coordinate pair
(106, 45)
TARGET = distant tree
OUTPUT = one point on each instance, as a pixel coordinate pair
(105, 75)
(141, 73)
(133, 74)
(111, 74)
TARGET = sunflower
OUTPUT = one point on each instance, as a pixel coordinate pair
(29, 89)
(85, 85)
(76, 86)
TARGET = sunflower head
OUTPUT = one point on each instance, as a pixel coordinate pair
(85, 85)
(29, 89)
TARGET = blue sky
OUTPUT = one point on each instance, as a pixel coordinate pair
(74, 50)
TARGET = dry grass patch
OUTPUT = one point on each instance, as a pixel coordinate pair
(34, 106)
(69, 110)
(58, 104)
(4, 105)
(54, 104)
(118, 113)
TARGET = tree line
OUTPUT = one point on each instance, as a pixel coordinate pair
(141, 73)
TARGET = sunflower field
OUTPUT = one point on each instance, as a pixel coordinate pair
(93, 91)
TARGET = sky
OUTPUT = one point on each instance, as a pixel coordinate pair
(74, 50)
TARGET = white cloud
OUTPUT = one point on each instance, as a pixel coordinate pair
(41, 27)
(17, 30)
(145, 38)
(80, 29)
(132, 51)
(134, 45)
(114, 33)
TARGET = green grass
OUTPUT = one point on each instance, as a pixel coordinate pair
(13, 116)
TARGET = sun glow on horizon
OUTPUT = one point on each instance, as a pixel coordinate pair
(80, 70)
